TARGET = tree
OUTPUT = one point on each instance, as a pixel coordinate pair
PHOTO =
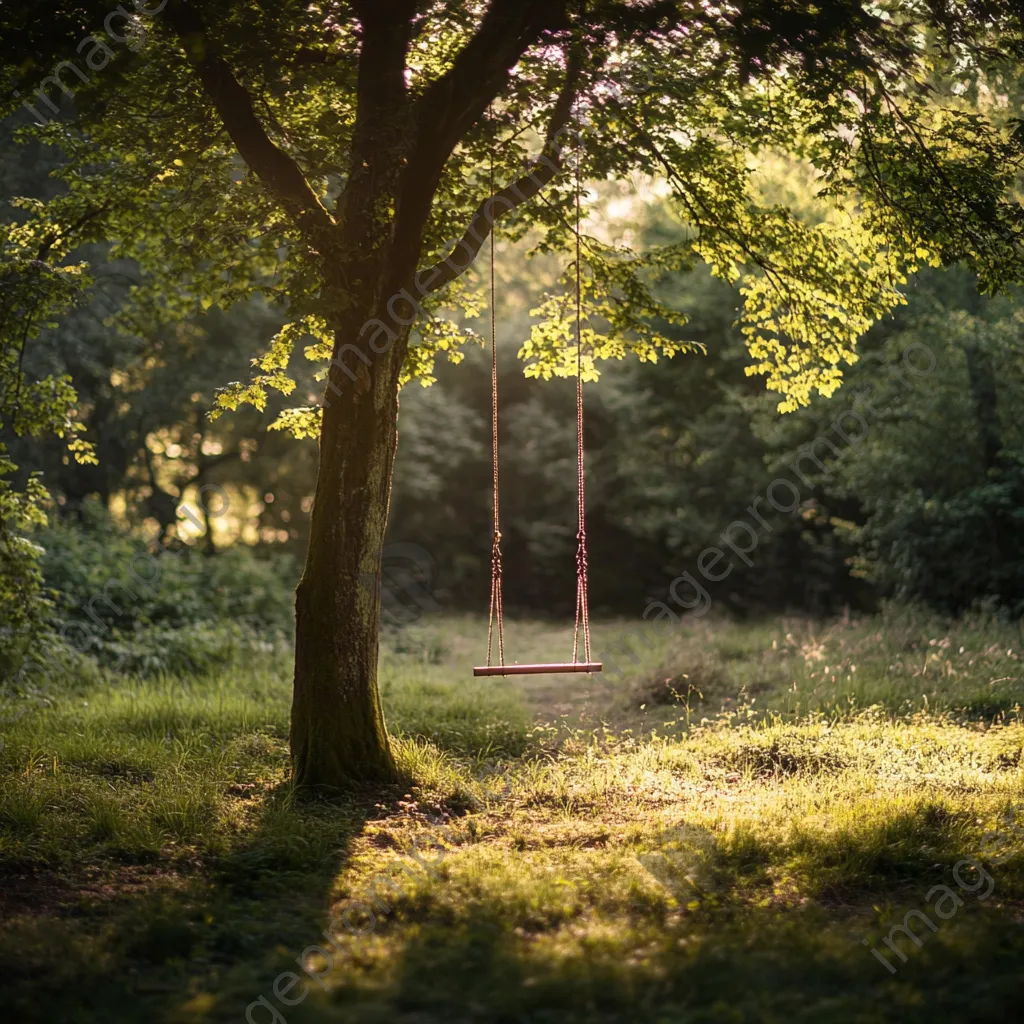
(941, 478)
(33, 289)
(326, 154)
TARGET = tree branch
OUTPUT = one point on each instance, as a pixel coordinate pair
(457, 100)
(382, 115)
(542, 171)
(280, 174)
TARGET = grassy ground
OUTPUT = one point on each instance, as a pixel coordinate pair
(723, 834)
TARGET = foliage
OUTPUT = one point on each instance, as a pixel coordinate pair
(870, 99)
(114, 603)
(188, 588)
(147, 652)
(144, 393)
(940, 477)
(676, 453)
(35, 287)
(22, 596)
(219, 165)
(180, 611)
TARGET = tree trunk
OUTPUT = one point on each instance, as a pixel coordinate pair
(982, 379)
(338, 735)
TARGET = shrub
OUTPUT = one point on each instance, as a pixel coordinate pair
(101, 578)
(146, 612)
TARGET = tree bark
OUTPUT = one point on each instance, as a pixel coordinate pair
(338, 737)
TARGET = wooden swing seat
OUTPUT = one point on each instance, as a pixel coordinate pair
(536, 670)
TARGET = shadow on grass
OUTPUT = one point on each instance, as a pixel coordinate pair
(181, 939)
(479, 946)
(202, 946)
(756, 965)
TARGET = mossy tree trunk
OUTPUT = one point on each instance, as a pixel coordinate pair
(338, 735)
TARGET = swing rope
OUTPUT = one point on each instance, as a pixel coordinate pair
(496, 616)
(496, 619)
(582, 596)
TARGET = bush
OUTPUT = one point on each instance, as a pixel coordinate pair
(144, 613)
(101, 573)
(23, 602)
(194, 649)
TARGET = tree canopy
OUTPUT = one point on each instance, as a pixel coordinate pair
(874, 98)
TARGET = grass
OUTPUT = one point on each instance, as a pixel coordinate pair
(712, 837)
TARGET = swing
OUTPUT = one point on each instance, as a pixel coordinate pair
(582, 608)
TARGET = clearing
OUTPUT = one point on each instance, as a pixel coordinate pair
(726, 833)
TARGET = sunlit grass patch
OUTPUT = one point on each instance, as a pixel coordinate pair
(551, 911)
(468, 717)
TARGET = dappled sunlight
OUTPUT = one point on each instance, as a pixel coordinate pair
(582, 885)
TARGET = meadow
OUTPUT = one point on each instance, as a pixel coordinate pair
(730, 832)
